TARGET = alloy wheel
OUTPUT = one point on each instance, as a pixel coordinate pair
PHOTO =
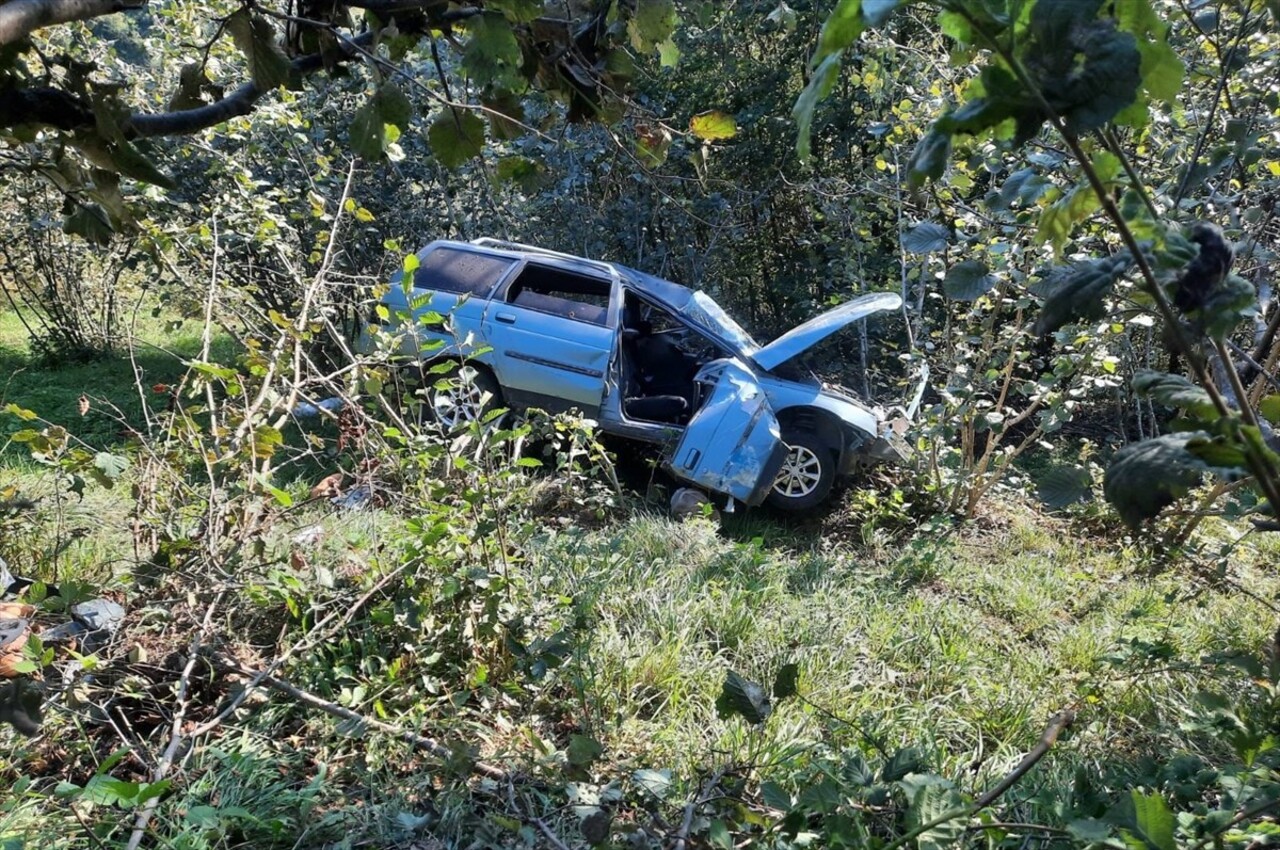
(462, 402)
(800, 474)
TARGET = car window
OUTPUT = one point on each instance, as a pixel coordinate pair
(573, 296)
(455, 270)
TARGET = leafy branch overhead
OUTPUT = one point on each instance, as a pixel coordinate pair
(1067, 61)
(60, 93)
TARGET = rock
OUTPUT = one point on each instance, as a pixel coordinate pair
(687, 503)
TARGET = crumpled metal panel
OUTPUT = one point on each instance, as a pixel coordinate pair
(731, 444)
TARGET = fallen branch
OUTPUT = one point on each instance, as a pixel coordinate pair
(176, 736)
(551, 836)
(704, 794)
(1057, 724)
(413, 739)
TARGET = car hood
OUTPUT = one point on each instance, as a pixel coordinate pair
(800, 339)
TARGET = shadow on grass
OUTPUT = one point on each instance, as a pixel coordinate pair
(114, 390)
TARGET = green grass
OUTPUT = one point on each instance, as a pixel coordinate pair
(120, 387)
(961, 641)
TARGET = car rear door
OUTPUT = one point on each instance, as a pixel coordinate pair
(552, 331)
(732, 445)
(451, 280)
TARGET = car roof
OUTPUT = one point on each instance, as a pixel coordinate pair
(670, 294)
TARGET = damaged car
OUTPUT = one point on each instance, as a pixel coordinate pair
(646, 358)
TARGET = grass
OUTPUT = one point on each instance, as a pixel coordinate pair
(117, 385)
(959, 641)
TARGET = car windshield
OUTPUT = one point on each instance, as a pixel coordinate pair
(703, 311)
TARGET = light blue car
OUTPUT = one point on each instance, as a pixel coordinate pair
(648, 359)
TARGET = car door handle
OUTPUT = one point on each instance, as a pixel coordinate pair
(506, 318)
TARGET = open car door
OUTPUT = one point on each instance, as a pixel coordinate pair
(732, 444)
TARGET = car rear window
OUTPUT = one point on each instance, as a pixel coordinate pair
(577, 297)
(454, 270)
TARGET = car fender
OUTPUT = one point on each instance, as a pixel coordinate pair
(788, 394)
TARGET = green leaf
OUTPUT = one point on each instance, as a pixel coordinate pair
(1162, 69)
(393, 105)
(524, 172)
(1146, 477)
(668, 53)
(931, 799)
(131, 162)
(107, 790)
(656, 783)
(1227, 305)
(820, 85)
(506, 115)
(775, 796)
(492, 56)
(653, 23)
(191, 82)
(787, 682)
(1063, 486)
(1077, 291)
(713, 126)
(1086, 69)
(1061, 217)
(904, 761)
(926, 237)
(256, 38)
(955, 25)
(842, 28)
(455, 137)
(718, 836)
(968, 281)
(929, 159)
(518, 11)
(742, 697)
(1153, 822)
(783, 16)
(1270, 409)
(583, 750)
(1173, 391)
(366, 134)
(108, 467)
(1089, 830)
(91, 222)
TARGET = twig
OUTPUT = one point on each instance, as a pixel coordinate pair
(551, 836)
(686, 823)
(1243, 816)
(1060, 721)
(413, 739)
(311, 638)
(176, 737)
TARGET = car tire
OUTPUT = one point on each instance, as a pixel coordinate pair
(807, 474)
(463, 395)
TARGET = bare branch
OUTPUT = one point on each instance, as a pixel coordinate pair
(20, 18)
(239, 102)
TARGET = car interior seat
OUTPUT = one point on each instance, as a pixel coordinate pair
(645, 359)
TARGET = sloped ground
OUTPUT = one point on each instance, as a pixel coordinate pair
(959, 643)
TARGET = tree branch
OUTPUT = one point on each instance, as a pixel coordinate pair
(43, 105)
(390, 7)
(20, 18)
(239, 102)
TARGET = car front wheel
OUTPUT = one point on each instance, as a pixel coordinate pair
(462, 396)
(806, 475)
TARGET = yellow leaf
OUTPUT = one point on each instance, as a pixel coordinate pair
(713, 126)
